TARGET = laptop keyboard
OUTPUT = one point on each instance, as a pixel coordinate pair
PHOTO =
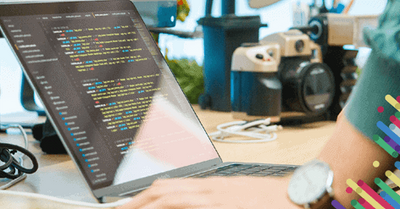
(244, 170)
(248, 170)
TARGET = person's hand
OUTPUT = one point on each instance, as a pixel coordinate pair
(216, 192)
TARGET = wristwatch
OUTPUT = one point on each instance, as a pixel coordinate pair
(311, 183)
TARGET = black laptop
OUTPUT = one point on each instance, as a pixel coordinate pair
(111, 97)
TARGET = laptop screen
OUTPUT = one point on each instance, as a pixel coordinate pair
(106, 89)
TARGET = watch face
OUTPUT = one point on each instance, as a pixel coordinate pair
(310, 182)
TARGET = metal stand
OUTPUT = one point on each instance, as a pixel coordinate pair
(28, 98)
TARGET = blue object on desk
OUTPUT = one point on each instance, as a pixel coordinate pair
(256, 93)
(222, 35)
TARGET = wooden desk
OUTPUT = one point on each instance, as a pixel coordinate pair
(58, 176)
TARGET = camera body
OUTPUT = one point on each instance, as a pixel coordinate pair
(282, 73)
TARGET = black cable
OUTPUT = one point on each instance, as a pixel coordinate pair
(5, 157)
(14, 168)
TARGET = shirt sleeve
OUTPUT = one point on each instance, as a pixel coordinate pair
(380, 76)
(386, 38)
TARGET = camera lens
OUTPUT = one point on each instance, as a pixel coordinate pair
(317, 88)
(306, 87)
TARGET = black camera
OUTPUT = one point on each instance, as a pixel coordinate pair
(284, 72)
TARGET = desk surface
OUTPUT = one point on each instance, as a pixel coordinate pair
(58, 176)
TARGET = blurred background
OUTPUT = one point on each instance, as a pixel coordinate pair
(185, 53)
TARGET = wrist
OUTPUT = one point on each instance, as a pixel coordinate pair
(311, 185)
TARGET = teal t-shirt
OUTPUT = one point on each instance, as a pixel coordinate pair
(380, 76)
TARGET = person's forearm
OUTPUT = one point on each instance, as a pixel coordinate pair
(351, 155)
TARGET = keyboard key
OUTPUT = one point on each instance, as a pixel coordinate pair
(248, 170)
